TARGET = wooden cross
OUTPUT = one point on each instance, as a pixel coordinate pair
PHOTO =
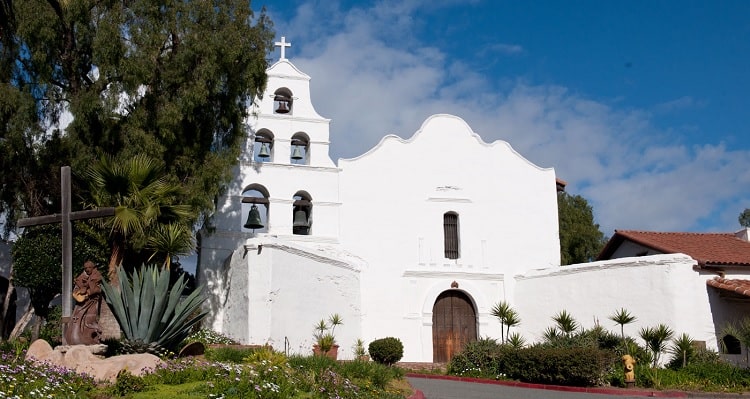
(64, 218)
(282, 45)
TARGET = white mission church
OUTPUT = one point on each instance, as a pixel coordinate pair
(404, 245)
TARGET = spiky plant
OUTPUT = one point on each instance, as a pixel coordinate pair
(622, 317)
(682, 350)
(153, 317)
(516, 341)
(565, 322)
(656, 339)
(551, 334)
(508, 318)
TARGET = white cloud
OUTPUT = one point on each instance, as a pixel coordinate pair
(635, 175)
(504, 48)
(684, 102)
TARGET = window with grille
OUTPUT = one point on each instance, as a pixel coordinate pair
(450, 230)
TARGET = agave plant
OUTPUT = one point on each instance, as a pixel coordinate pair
(153, 317)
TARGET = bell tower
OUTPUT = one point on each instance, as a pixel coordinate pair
(289, 183)
(285, 128)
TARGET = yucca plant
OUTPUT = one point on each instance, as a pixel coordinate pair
(656, 339)
(508, 318)
(516, 341)
(622, 317)
(153, 317)
(682, 350)
(565, 322)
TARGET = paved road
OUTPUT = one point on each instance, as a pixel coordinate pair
(449, 389)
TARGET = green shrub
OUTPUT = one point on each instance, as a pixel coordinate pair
(577, 366)
(51, 330)
(127, 383)
(480, 358)
(386, 351)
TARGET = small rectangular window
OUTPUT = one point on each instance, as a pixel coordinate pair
(450, 230)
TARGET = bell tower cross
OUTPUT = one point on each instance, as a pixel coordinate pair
(282, 45)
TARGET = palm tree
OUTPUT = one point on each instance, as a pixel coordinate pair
(170, 240)
(508, 318)
(622, 317)
(143, 199)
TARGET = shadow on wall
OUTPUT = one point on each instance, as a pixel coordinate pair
(725, 311)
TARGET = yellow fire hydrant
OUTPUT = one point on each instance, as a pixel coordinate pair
(628, 364)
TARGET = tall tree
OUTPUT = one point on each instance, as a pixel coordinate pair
(744, 218)
(166, 78)
(580, 237)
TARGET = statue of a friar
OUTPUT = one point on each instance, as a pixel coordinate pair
(84, 323)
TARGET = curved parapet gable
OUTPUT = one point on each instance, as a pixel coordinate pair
(505, 207)
(284, 74)
(448, 127)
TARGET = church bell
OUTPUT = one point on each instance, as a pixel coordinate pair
(283, 107)
(297, 153)
(264, 152)
(300, 219)
(253, 219)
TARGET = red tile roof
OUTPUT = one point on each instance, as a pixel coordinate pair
(709, 249)
(734, 286)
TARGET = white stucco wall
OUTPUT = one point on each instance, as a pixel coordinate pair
(400, 190)
(274, 292)
(393, 201)
(656, 289)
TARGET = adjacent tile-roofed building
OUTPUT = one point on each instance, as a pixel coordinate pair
(736, 288)
(708, 249)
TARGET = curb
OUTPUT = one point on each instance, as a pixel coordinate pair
(417, 395)
(604, 391)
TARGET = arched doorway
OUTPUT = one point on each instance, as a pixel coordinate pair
(454, 324)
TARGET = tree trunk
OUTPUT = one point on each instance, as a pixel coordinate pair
(22, 323)
(115, 260)
(5, 321)
(36, 328)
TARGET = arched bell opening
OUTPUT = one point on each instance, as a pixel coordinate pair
(454, 324)
(282, 101)
(263, 148)
(255, 209)
(300, 149)
(302, 213)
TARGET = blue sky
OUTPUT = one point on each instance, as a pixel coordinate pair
(641, 106)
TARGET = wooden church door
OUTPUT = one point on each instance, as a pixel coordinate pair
(454, 324)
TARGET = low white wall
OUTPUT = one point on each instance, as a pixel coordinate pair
(656, 289)
(274, 292)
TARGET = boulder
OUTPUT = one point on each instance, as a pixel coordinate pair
(83, 359)
(39, 349)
